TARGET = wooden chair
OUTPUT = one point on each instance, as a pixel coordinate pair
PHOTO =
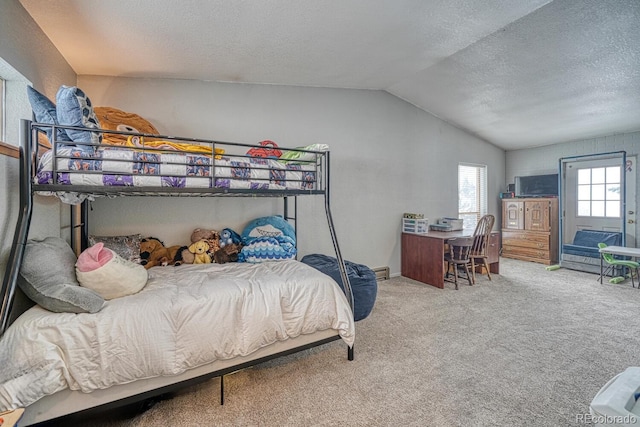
(479, 250)
(458, 256)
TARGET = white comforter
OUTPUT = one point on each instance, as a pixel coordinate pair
(184, 317)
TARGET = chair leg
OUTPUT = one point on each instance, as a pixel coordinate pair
(486, 265)
(473, 271)
(455, 275)
(466, 270)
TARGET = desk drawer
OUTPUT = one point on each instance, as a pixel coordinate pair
(538, 241)
(527, 252)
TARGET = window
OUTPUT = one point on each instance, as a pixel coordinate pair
(599, 192)
(472, 193)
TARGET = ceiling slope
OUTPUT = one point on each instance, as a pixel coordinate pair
(518, 73)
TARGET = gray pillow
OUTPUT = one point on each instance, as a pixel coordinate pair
(48, 277)
(73, 108)
(45, 111)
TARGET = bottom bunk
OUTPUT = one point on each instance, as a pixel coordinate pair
(188, 323)
(74, 402)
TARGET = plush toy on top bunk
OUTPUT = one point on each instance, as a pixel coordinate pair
(153, 253)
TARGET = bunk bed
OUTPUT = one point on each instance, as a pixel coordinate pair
(150, 165)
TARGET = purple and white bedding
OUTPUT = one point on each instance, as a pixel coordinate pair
(126, 167)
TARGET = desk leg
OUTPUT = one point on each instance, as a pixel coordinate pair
(494, 267)
(423, 259)
(601, 269)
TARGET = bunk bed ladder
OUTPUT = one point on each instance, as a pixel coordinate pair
(22, 228)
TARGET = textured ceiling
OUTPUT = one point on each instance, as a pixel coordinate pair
(518, 73)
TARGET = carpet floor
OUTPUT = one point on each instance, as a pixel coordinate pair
(530, 348)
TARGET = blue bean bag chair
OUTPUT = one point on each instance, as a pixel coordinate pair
(362, 279)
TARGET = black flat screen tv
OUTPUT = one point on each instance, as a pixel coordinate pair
(537, 185)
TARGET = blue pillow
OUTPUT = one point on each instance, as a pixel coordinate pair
(268, 226)
(45, 112)
(265, 248)
(74, 109)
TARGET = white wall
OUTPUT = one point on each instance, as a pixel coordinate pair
(26, 57)
(387, 157)
(544, 159)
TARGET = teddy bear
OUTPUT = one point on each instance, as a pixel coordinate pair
(229, 237)
(227, 253)
(153, 253)
(199, 249)
(212, 238)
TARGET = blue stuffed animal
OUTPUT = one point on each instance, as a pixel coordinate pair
(229, 237)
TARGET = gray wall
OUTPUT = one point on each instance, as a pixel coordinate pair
(27, 57)
(387, 157)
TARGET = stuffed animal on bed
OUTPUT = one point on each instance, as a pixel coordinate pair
(269, 238)
(229, 237)
(227, 253)
(113, 119)
(153, 253)
(107, 273)
(199, 249)
(212, 238)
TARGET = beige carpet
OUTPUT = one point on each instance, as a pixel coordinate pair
(530, 348)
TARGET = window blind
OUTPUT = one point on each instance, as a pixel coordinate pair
(472, 193)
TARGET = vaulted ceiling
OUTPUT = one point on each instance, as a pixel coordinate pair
(517, 73)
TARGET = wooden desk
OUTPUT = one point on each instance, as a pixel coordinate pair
(423, 255)
(618, 250)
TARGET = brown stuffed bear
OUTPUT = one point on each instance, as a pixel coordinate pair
(211, 236)
(153, 253)
(227, 253)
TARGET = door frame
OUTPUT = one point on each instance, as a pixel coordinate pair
(590, 157)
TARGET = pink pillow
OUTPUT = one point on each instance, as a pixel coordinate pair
(93, 258)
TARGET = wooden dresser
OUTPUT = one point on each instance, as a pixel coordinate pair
(530, 229)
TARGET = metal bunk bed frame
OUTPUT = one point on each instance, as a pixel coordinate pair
(28, 160)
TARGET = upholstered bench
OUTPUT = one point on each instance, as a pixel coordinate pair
(583, 253)
(362, 279)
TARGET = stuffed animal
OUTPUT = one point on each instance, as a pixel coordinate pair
(113, 119)
(212, 238)
(199, 249)
(228, 237)
(227, 253)
(153, 253)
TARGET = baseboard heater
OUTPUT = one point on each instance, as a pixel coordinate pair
(382, 273)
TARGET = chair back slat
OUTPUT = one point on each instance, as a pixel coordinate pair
(481, 235)
(460, 248)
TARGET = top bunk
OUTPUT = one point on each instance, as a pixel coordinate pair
(107, 163)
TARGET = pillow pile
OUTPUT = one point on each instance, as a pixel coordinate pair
(47, 277)
(73, 109)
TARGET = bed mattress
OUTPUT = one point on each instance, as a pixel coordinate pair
(185, 317)
(126, 167)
